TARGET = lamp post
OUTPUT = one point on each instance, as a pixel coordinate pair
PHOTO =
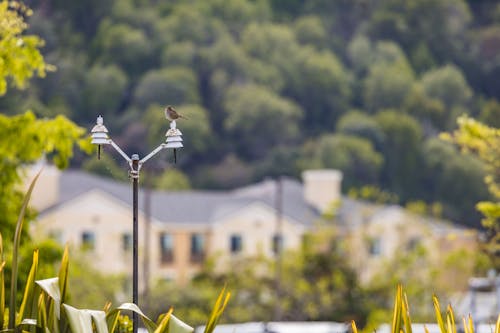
(173, 141)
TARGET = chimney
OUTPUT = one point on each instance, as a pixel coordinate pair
(322, 187)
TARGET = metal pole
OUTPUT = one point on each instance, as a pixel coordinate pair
(146, 248)
(278, 312)
(135, 202)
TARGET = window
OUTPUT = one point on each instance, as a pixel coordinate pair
(197, 247)
(277, 243)
(413, 243)
(375, 247)
(236, 244)
(166, 248)
(88, 240)
(126, 242)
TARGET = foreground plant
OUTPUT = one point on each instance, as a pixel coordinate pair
(44, 309)
(401, 322)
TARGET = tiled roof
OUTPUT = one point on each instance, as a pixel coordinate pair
(191, 206)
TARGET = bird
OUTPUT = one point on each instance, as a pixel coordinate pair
(171, 114)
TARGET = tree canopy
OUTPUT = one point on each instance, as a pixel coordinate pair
(265, 79)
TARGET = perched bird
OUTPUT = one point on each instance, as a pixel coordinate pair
(171, 114)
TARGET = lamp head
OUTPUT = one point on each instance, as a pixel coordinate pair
(100, 133)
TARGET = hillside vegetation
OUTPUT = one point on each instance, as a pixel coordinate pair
(273, 87)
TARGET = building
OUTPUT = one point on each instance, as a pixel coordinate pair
(179, 230)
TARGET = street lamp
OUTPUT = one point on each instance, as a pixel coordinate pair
(173, 141)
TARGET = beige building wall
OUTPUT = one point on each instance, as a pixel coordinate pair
(398, 231)
(257, 224)
(182, 267)
(97, 213)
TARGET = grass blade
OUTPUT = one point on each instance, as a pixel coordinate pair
(406, 314)
(2, 295)
(354, 328)
(218, 309)
(2, 285)
(439, 318)
(29, 291)
(450, 318)
(163, 325)
(15, 254)
(63, 274)
(396, 315)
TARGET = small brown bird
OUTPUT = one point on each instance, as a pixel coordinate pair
(171, 114)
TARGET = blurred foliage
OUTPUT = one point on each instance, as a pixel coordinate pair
(483, 141)
(373, 194)
(25, 140)
(172, 180)
(20, 57)
(265, 80)
(312, 286)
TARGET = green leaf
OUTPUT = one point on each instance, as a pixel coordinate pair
(17, 239)
(99, 318)
(63, 274)
(406, 315)
(29, 291)
(51, 287)
(113, 315)
(354, 328)
(450, 319)
(396, 316)
(439, 318)
(42, 311)
(175, 325)
(2, 295)
(80, 321)
(220, 305)
(163, 325)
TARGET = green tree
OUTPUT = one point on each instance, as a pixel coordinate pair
(443, 165)
(176, 85)
(490, 113)
(356, 123)
(172, 180)
(430, 111)
(104, 91)
(355, 156)
(310, 30)
(26, 139)
(389, 78)
(124, 45)
(448, 85)
(401, 150)
(440, 24)
(197, 133)
(484, 142)
(20, 57)
(322, 85)
(259, 119)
